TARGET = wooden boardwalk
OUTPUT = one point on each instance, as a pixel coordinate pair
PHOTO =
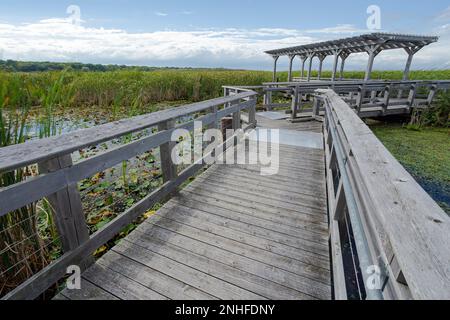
(233, 233)
(230, 234)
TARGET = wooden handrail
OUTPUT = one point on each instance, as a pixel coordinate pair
(35, 151)
(59, 177)
(407, 232)
(364, 94)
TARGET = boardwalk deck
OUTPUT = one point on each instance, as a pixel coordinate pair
(230, 234)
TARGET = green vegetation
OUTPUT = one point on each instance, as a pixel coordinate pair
(28, 234)
(102, 89)
(30, 66)
(425, 153)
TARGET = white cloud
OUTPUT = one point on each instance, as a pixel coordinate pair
(339, 29)
(161, 14)
(59, 40)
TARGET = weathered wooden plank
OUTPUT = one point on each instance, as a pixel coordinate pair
(244, 207)
(231, 177)
(242, 262)
(153, 279)
(248, 233)
(183, 216)
(282, 177)
(263, 221)
(60, 296)
(265, 233)
(191, 276)
(242, 279)
(292, 199)
(246, 173)
(276, 260)
(120, 286)
(210, 250)
(89, 292)
(283, 173)
(266, 204)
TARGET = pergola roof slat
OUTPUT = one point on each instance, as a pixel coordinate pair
(358, 44)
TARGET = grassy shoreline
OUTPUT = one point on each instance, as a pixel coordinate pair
(424, 153)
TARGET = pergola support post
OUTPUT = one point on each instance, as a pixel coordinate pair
(275, 60)
(310, 57)
(335, 64)
(411, 52)
(302, 75)
(344, 57)
(321, 58)
(372, 51)
(291, 59)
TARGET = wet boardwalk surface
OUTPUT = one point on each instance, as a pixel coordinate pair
(230, 234)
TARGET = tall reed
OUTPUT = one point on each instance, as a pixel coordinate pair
(28, 236)
(22, 247)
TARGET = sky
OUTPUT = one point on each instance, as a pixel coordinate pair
(214, 33)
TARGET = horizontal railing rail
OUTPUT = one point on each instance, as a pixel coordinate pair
(382, 223)
(58, 176)
(370, 98)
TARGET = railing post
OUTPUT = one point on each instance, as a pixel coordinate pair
(236, 117)
(316, 107)
(412, 95)
(431, 95)
(294, 105)
(267, 99)
(169, 169)
(215, 124)
(360, 98)
(387, 94)
(66, 206)
(252, 113)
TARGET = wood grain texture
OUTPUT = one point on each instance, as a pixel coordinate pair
(411, 231)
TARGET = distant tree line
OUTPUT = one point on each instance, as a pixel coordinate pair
(30, 66)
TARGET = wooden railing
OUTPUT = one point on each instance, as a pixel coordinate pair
(389, 238)
(369, 98)
(59, 176)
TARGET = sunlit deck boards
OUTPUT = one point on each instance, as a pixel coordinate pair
(230, 234)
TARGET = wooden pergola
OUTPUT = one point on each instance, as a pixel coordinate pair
(372, 44)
